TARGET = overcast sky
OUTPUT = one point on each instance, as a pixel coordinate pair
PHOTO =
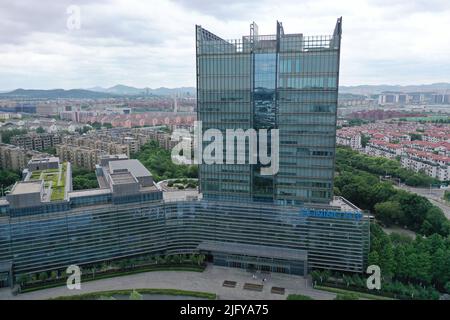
(152, 43)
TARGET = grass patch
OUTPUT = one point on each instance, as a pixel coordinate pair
(298, 297)
(57, 193)
(172, 292)
(347, 292)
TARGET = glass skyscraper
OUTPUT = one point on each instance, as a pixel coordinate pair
(284, 81)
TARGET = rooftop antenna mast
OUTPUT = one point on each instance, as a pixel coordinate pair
(253, 33)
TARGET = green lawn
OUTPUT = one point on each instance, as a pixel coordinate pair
(35, 175)
(298, 297)
(51, 175)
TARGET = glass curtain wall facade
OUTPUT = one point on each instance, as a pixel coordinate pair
(284, 81)
(89, 234)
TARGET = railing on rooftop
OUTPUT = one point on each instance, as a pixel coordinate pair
(288, 42)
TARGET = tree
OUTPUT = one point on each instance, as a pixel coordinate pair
(381, 192)
(96, 125)
(43, 276)
(8, 177)
(415, 208)
(134, 295)
(434, 222)
(381, 251)
(447, 287)
(346, 296)
(53, 275)
(84, 129)
(50, 150)
(83, 179)
(415, 136)
(364, 140)
(40, 130)
(8, 134)
(159, 162)
(389, 212)
(22, 279)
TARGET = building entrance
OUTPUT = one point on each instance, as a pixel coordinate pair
(256, 257)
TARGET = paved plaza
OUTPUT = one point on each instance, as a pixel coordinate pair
(210, 280)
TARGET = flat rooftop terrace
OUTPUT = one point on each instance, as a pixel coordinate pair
(122, 178)
(54, 181)
(135, 167)
(27, 187)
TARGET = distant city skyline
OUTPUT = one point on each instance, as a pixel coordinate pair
(149, 44)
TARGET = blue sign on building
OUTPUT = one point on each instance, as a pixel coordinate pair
(355, 215)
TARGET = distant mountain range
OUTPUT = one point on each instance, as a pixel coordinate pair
(56, 93)
(122, 90)
(374, 89)
(127, 90)
(97, 92)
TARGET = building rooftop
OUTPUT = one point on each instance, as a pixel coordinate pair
(44, 160)
(27, 187)
(89, 192)
(54, 180)
(122, 178)
(135, 167)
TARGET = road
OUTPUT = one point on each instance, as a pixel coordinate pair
(434, 195)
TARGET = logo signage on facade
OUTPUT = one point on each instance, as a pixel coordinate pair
(356, 215)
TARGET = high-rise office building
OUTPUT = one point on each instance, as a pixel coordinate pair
(283, 81)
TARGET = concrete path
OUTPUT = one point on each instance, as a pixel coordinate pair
(210, 280)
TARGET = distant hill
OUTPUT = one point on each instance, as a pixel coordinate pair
(56, 93)
(120, 90)
(169, 91)
(127, 90)
(373, 89)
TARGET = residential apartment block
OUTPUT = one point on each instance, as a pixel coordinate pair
(81, 157)
(15, 158)
(393, 140)
(36, 141)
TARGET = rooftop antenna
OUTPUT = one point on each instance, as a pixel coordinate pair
(253, 33)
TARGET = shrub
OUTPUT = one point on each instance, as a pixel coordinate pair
(346, 296)
(43, 276)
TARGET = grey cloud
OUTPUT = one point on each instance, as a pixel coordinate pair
(225, 10)
(402, 7)
(22, 17)
(152, 44)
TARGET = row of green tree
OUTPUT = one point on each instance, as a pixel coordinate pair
(391, 206)
(382, 166)
(159, 162)
(389, 287)
(424, 261)
(8, 134)
(8, 178)
(97, 125)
